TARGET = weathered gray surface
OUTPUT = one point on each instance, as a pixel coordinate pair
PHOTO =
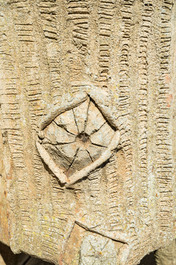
(123, 54)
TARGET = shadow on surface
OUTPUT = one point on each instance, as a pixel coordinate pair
(8, 258)
(148, 259)
(23, 259)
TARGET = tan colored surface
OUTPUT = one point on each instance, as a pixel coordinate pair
(2, 261)
(4, 206)
(122, 54)
(167, 255)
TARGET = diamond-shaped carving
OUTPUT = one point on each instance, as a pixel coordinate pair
(76, 141)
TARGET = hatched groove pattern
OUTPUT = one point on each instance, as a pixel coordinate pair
(45, 49)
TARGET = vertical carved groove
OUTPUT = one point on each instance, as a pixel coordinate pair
(78, 14)
(105, 16)
(164, 143)
(124, 107)
(143, 104)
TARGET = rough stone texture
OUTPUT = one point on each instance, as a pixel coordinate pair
(167, 255)
(122, 54)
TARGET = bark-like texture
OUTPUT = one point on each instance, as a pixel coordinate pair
(122, 54)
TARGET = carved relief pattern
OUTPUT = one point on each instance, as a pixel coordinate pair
(55, 48)
(77, 141)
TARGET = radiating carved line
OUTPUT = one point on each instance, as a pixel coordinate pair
(89, 155)
(63, 127)
(86, 121)
(76, 102)
(75, 120)
(78, 175)
(73, 160)
(105, 156)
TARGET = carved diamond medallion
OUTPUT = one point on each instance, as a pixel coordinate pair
(76, 140)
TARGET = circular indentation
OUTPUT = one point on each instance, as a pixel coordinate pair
(83, 137)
